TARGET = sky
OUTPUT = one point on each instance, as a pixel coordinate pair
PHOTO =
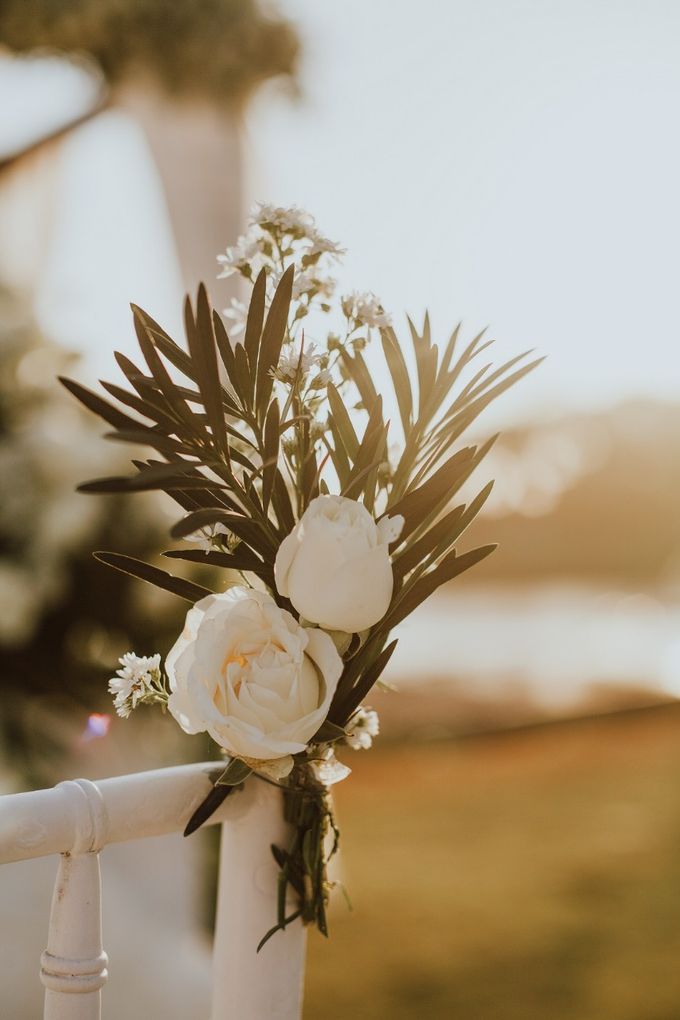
(510, 163)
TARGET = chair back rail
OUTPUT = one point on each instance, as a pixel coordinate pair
(78, 818)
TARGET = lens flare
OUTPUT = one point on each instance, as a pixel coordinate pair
(97, 726)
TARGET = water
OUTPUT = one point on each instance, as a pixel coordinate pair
(555, 640)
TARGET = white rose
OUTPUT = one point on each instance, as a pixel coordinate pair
(335, 565)
(247, 673)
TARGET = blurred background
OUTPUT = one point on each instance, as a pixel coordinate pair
(511, 164)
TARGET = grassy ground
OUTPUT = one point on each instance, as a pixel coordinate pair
(510, 878)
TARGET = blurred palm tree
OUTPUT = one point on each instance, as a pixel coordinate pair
(58, 641)
(185, 71)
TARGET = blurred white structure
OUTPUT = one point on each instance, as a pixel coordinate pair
(78, 818)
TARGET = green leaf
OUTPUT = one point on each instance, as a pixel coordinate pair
(161, 376)
(450, 567)
(309, 475)
(201, 339)
(143, 384)
(150, 437)
(278, 927)
(207, 808)
(226, 352)
(271, 452)
(358, 372)
(441, 536)
(93, 402)
(244, 376)
(247, 530)
(400, 377)
(341, 424)
(346, 702)
(282, 504)
(478, 456)
(339, 460)
(177, 475)
(369, 454)
(414, 554)
(172, 351)
(450, 348)
(255, 318)
(328, 732)
(153, 575)
(273, 336)
(160, 415)
(420, 502)
(241, 559)
(235, 773)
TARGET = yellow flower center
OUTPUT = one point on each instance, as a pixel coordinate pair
(219, 698)
(229, 659)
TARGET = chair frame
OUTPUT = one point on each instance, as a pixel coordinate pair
(76, 819)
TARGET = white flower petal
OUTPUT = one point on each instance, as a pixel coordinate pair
(246, 672)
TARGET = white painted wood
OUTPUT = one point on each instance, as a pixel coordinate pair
(153, 803)
(248, 985)
(77, 818)
(73, 967)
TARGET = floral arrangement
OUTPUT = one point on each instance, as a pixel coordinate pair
(327, 532)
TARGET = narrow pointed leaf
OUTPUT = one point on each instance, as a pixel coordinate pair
(341, 423)
(248, 531)
(273, 336)
(93, 402)
(153, 575)
(400, 377)
(282, 504)
(235, 773)
(450, 567)
(347, 703)
(416, 504)
(244, 376)
(161, 375)
(255, 318)
(358, 372)
(242, 558)
(271, 452)
(415, 553)
(205, 357)
(207, 808)
(150, 409)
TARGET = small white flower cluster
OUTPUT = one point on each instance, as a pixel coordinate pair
(208, 538)
(274, 235)
(362, 728)
(297, 361)
(298, 224)
(308, 282)
(276, 238)
(236, 258)
(138, 680)
(237, 313)
(365, 310)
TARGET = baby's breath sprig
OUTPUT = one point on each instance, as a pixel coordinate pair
(312, 355)
(138, 681)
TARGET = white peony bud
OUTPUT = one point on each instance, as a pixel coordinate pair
(335, 565)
